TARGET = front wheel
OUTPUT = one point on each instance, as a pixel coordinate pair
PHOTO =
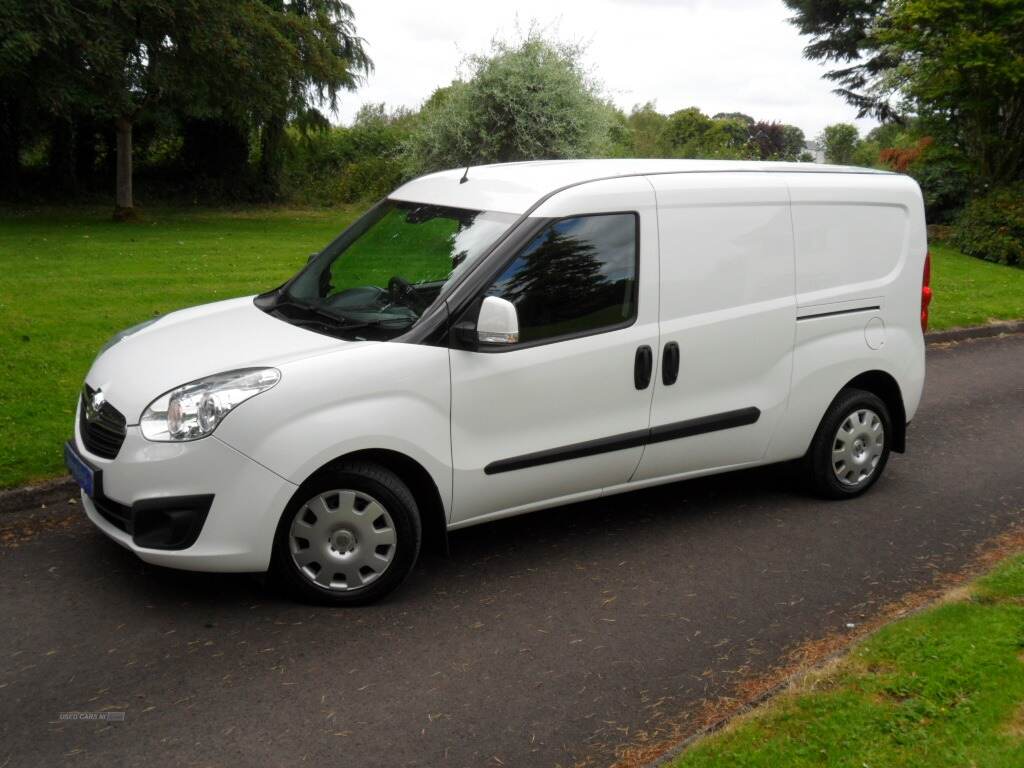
(851, 447)
(350, 535)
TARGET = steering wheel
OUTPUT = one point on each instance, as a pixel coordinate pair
(403, 293)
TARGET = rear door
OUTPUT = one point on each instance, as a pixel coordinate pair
(727, 319)
(560, 415)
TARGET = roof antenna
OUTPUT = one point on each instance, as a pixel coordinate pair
(465, 176)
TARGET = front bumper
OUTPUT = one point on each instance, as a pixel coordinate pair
(237, 532)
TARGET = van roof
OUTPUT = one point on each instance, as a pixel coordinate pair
(515, 187)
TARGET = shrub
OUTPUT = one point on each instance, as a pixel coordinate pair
(938, 166)
(945, 181)
(992, 227)
(369, 179)
(353, 164)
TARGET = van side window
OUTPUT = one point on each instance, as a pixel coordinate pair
(578, 275)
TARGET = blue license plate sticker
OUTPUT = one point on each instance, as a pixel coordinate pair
(80, 471)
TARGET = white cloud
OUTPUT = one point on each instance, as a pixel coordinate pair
(725, 56)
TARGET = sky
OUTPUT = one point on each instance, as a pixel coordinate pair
(724, 56)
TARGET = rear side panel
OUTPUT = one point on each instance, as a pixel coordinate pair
(860, 246)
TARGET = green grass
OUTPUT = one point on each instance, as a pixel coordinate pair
(423, 250)
(70, 278)
(969, 291)
(945, 687)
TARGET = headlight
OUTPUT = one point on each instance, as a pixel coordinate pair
(122, 335)
(194, 410)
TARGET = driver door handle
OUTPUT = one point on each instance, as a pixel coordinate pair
(642, 367)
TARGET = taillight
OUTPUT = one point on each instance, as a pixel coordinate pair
(926, 291)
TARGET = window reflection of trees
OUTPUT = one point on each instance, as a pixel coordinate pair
(559, 285)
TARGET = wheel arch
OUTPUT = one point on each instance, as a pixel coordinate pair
(884, 386)
(421, 484)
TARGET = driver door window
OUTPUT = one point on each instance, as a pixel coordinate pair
(577, 277)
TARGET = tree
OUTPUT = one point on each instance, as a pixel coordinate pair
(743, 118)
(121, 61)
(35, 90)
(524, 100)
(319, 56)
(958, 64)
(793, 142)
(686, 130)
(839, 142)
(727, 139)
(768, 140)
(692, 134)
(560, 271)
(560, 279)
(840, 31)
(647, 127)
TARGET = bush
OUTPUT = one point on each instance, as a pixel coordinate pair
(352, 164)
(938, 166)
(369, 179)
(992, 227)
(945, 180)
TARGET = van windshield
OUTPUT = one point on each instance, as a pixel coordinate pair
(383, 272)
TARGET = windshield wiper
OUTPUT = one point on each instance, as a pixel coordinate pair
(310, 309)
(313, 318)
(337, 323)
(358, 325)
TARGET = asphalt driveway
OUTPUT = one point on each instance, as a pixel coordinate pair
(543, 640)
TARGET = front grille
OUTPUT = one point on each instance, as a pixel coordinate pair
(103, 429)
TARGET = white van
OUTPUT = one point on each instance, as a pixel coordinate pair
(489, 342)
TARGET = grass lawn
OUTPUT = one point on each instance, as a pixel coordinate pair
(970, 291)
(945, 687)
(70, 278)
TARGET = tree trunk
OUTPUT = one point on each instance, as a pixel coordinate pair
(125, 207)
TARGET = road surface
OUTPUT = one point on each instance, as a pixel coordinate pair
(543, 640)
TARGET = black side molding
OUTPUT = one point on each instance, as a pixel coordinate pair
(660, 434)
(704, 424)
(838, 312)
(574, 451)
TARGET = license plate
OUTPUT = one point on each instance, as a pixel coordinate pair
(83, 474)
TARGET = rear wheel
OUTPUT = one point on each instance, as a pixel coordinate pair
(851, 447)
(350, 535)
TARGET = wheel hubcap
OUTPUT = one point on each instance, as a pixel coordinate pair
(857, 447)
(342, 540)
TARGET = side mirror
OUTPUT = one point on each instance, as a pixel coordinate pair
(497, 323)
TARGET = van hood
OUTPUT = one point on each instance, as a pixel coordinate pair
(192, 343)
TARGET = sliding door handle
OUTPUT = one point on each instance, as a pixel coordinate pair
(643, 364)
(670, 364)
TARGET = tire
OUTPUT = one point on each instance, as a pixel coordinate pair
(362, 534)
(850, 450)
